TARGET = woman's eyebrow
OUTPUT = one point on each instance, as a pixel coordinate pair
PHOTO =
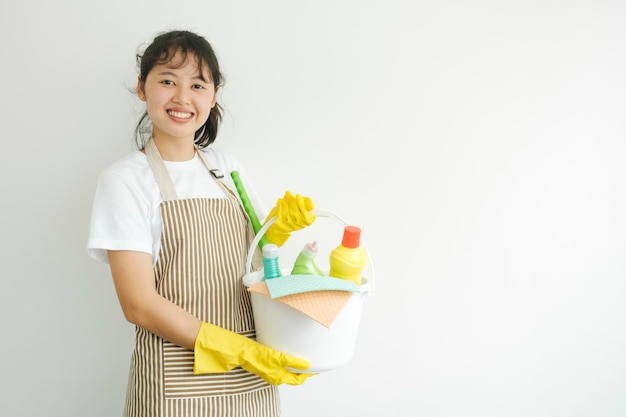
(172, 74)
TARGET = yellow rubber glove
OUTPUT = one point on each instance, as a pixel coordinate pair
(220, 350)
(292, 213)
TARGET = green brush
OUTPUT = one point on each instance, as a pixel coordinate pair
(247, 205)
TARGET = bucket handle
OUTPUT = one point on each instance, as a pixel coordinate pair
(317, 213)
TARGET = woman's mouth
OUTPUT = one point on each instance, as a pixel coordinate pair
(179, 114)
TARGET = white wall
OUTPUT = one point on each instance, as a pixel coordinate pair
(479, 144)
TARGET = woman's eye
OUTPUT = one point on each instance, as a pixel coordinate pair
(167, 82)
(198, 86)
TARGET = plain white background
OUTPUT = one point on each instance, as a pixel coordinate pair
(480, 146)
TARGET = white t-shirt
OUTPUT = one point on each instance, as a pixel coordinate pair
(126, 214)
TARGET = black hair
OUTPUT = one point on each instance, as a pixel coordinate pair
(162, 50)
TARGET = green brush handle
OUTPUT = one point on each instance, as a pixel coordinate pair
(247, 205)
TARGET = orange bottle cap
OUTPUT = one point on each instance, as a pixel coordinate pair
(351, 237)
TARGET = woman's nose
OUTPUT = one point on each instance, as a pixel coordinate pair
(182, 96)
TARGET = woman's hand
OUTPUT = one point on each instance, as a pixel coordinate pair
(292, 213)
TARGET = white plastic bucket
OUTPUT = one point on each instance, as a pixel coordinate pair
(288, 330)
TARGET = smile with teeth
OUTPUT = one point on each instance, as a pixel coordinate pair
(179, 115)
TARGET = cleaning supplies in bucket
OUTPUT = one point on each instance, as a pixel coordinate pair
(316, 295)
(309, 314)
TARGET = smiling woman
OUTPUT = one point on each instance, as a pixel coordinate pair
(176, 237)
(179, 99)
(181, 71)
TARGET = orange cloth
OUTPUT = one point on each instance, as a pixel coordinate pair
(322, 306)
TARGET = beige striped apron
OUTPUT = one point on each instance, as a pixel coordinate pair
(204, 244)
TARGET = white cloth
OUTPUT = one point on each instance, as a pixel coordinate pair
(125, 213)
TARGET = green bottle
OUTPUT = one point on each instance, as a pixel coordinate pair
(305, 263)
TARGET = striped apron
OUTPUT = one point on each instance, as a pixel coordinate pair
(204, 244)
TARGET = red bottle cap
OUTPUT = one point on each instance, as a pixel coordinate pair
(351, 237)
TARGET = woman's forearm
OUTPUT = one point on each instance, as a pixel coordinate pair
(134, 283)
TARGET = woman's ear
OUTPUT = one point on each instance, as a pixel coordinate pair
(217, 89)
(140, 91)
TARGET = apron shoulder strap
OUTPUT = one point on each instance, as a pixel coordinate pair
(165, 181)
(160, 172)
(217, 175)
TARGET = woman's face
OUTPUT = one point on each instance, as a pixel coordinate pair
(178, 100)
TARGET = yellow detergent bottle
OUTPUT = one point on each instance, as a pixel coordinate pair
(348, 259)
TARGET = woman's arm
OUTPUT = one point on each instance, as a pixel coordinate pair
(133, 276)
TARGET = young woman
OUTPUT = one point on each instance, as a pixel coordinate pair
(176, 236)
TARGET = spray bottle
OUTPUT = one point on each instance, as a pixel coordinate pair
(305, 262)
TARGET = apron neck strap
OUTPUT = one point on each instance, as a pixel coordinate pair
(164, 180)
(217, 175)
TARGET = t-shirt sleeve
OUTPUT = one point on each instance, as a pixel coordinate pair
(120, 218)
